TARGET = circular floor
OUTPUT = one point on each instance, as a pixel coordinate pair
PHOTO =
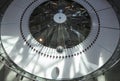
(50, 62)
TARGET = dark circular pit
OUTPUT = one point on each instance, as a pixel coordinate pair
(60, 23)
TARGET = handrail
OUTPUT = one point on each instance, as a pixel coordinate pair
(13, 69)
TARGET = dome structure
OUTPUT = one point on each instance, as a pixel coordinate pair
(60, 39)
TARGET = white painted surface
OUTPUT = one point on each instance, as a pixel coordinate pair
(73, 67)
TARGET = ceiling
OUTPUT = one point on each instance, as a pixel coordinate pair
(115, 70)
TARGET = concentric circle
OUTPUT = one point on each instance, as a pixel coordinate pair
(57, 61)
(60, 23)
(45, 49)
(60, 18)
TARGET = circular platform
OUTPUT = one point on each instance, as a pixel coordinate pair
(75, 61)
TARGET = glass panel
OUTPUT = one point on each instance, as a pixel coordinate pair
(60, 23)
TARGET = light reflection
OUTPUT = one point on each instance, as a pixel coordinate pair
(40, 39)
(72, 71)
(37, 68)
(83, 69)
(101, 62)
(101, 78)
(83, 61)
(29, 37)
(9, 42)
(30, 67)
(18, 59)
(89, 66)
(76, 64)
(11, 76)
(21, 50)
(10, 39)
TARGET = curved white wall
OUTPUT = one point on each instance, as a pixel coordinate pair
(84, 58)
